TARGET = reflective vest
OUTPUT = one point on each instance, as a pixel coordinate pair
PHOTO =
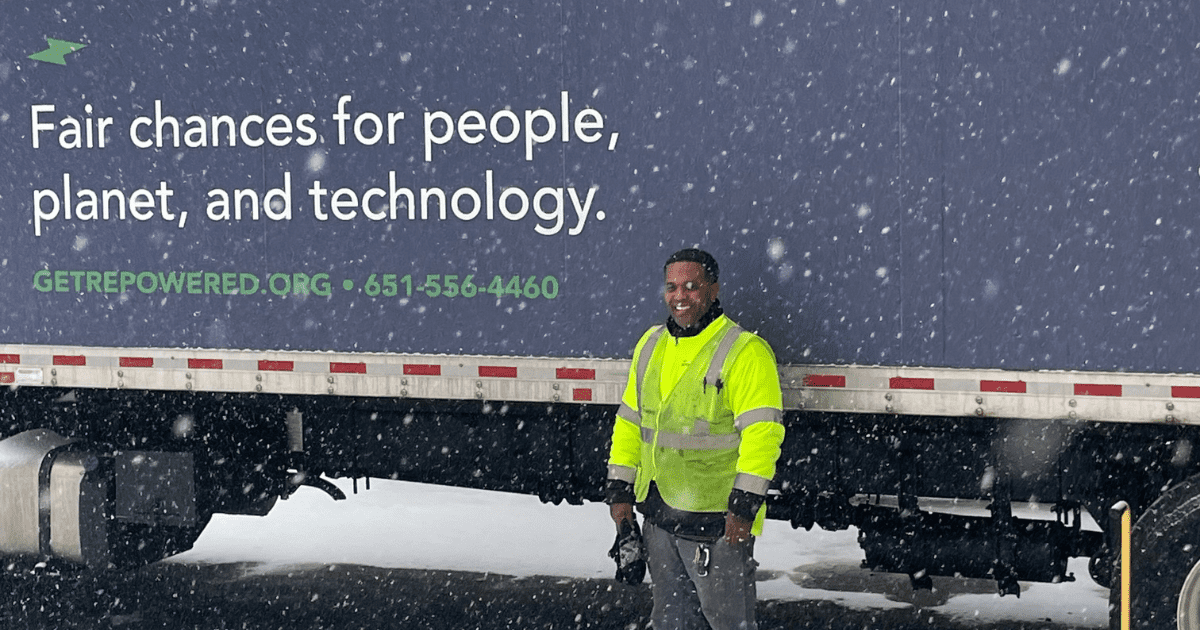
(689, 438)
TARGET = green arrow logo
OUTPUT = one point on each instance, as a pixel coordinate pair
(57, 51)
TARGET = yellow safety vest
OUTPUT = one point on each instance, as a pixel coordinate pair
(689, 426)
(689, 438)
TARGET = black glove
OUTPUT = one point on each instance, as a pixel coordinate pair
(744, 505)
(629, 552)
(617, 491)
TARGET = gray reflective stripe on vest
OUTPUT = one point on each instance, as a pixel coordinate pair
(691, 442)
(623, 473)
(713, 376)
(644, 362)
(762, 414)
(630, 414)
(752, 484)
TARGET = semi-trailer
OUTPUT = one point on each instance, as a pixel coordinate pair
(250, 246)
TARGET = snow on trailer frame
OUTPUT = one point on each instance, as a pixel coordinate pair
(916, 391)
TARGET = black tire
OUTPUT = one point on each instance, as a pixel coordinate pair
(1165, 563)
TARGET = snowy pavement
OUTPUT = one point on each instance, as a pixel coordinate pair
(418, 526)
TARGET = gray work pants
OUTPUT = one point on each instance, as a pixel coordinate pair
(685, 600)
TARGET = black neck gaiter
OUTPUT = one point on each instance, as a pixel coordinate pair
(713, 313)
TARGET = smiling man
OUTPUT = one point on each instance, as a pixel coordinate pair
(694, 446)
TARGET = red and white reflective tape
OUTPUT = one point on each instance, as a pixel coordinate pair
(438, 376)
(1006, 386)
(1092, 396)
(1098, 396)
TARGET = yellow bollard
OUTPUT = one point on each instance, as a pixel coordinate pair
(1122, 514)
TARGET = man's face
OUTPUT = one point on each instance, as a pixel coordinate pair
(687, 293)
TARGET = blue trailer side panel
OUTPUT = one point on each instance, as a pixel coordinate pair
(1000, 184)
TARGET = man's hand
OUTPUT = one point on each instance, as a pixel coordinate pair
(737, 530)
(621, 512)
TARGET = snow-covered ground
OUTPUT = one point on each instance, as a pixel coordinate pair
(418, 526)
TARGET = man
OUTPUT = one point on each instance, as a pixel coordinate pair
(694, 445)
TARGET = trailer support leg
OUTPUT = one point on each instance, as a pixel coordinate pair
(1005, 538)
